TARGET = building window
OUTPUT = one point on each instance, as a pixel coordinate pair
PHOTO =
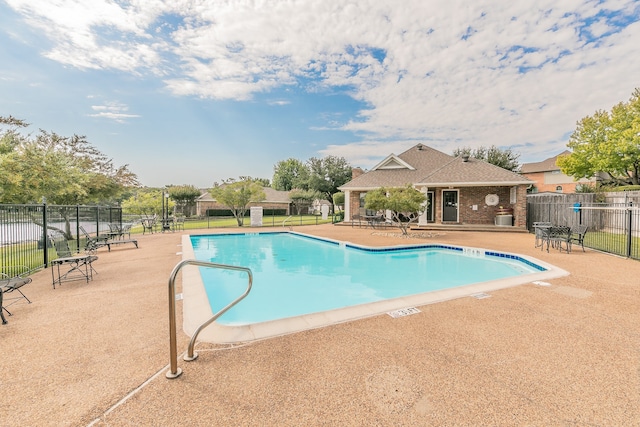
(559, 189)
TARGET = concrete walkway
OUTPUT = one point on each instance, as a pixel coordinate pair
(566, 354)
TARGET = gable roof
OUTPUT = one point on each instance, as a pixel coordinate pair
(546, 165)
(428, 166)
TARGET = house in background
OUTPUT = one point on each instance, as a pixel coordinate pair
(459, 190)
(275, 203)
(549, 178)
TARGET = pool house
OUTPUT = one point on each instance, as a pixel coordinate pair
(460, 190)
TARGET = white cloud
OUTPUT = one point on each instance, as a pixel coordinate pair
(112, 110)
(449, 73)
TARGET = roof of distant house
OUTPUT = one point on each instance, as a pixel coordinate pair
(546, 165)
(271, 196)
(427, 166)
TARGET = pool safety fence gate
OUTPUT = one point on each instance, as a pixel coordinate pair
(612, 227)
(23, 230)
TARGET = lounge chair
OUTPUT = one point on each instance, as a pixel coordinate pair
(79, 266)
(10, 284)
(577, 235)
(94, 243)
(119, 230)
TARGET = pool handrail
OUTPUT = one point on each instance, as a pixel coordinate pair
(285, 221)
(174, 371)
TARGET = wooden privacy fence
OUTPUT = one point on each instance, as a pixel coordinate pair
(614, 222)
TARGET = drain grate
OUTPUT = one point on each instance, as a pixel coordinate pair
(403, 312)
(481, 295)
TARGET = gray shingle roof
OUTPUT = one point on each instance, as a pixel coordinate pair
(434, 168)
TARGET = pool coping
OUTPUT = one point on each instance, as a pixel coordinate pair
(196, 308)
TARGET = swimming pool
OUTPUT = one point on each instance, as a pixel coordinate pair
(301, 281)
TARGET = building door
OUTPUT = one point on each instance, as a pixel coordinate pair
(450, 206)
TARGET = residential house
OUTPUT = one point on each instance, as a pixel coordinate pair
(548, 177)
(276, 202)
(459, 190)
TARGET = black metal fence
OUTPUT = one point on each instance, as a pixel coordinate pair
(613, 227)
(23, 230)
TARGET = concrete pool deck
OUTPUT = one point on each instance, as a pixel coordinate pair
(566, 354)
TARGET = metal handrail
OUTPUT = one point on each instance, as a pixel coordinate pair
(174, 371)
(285, 220)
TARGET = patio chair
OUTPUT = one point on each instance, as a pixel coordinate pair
(119, 230)
(79, 266)
(9, 284)
(178, 223)
(94, 243)
(148, 224)
(541, 230)
(577, 235)
(559, 238)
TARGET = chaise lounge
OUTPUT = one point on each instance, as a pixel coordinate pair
(9, 284)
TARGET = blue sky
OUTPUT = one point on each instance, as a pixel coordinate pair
(193, 92)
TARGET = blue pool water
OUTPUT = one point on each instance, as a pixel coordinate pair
(296, 274)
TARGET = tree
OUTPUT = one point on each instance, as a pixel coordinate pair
(405, 203)
(302, 198)
(505, 159)
(327, 174)
(338, 198)
(607, 143)
(185, 197)
(63, 170)
(145, 202)
(236, 195)
(289, 174)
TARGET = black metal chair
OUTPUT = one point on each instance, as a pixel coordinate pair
(79, 266)
(541, 230)
(10, 284)
(559, 238)
(577, 235)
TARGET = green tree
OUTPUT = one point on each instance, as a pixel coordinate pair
(145, 202)
(63, 170)
(302, 198)
(338, 198)
(506, 158)
(327, 174)
(289, 174)
(236, 195)
(185, 197)
(607, 143)
(405, 203)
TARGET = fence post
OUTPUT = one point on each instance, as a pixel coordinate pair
(629, 233)
(78, 227)
(45, 240)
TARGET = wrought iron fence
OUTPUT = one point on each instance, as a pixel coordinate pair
(23, 230)
(612, 227)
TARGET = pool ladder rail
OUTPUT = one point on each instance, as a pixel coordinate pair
(174, 371)
(285, 221)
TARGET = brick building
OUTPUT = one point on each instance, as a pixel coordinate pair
(459, 190)
(548, 177)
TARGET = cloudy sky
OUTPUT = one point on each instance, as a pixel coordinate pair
(196, 91)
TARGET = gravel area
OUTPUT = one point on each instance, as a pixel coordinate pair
(96, 353)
